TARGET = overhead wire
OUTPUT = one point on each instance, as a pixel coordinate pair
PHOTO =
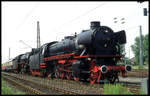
(130, 16)
(82, 15)
(87, 12)
(28, 15)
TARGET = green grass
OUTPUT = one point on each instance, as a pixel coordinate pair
(142, 92)
(8, 90)
(139, 67)
(116, 89)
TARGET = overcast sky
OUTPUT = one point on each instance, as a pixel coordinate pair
(59, 19)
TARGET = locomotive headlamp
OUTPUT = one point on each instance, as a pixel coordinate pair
(105, 45)
(105, 31)
(89, 59)
(81, 46)
(128, 68)
(104, 69)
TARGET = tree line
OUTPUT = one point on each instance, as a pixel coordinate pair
(136, 49)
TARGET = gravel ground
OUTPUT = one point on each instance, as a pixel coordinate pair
(76, 87)
(137, 73)
(79, 87)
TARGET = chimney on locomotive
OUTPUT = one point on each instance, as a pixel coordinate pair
(95, 24)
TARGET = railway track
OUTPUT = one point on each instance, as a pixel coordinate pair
(68, 86)
(133, 87)
(58, 85)
(29, 86)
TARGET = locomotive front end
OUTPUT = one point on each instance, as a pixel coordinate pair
(106, 52)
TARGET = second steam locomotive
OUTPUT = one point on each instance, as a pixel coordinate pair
(90, 55)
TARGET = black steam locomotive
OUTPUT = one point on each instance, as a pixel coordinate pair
(91, 55)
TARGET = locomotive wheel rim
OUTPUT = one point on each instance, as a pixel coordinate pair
(76, 78)
(92, 81)
(68, 75)
(49, 76)
(93, 77)
(71, 76)
(62, 75)
(59, 75)
(56, 74)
